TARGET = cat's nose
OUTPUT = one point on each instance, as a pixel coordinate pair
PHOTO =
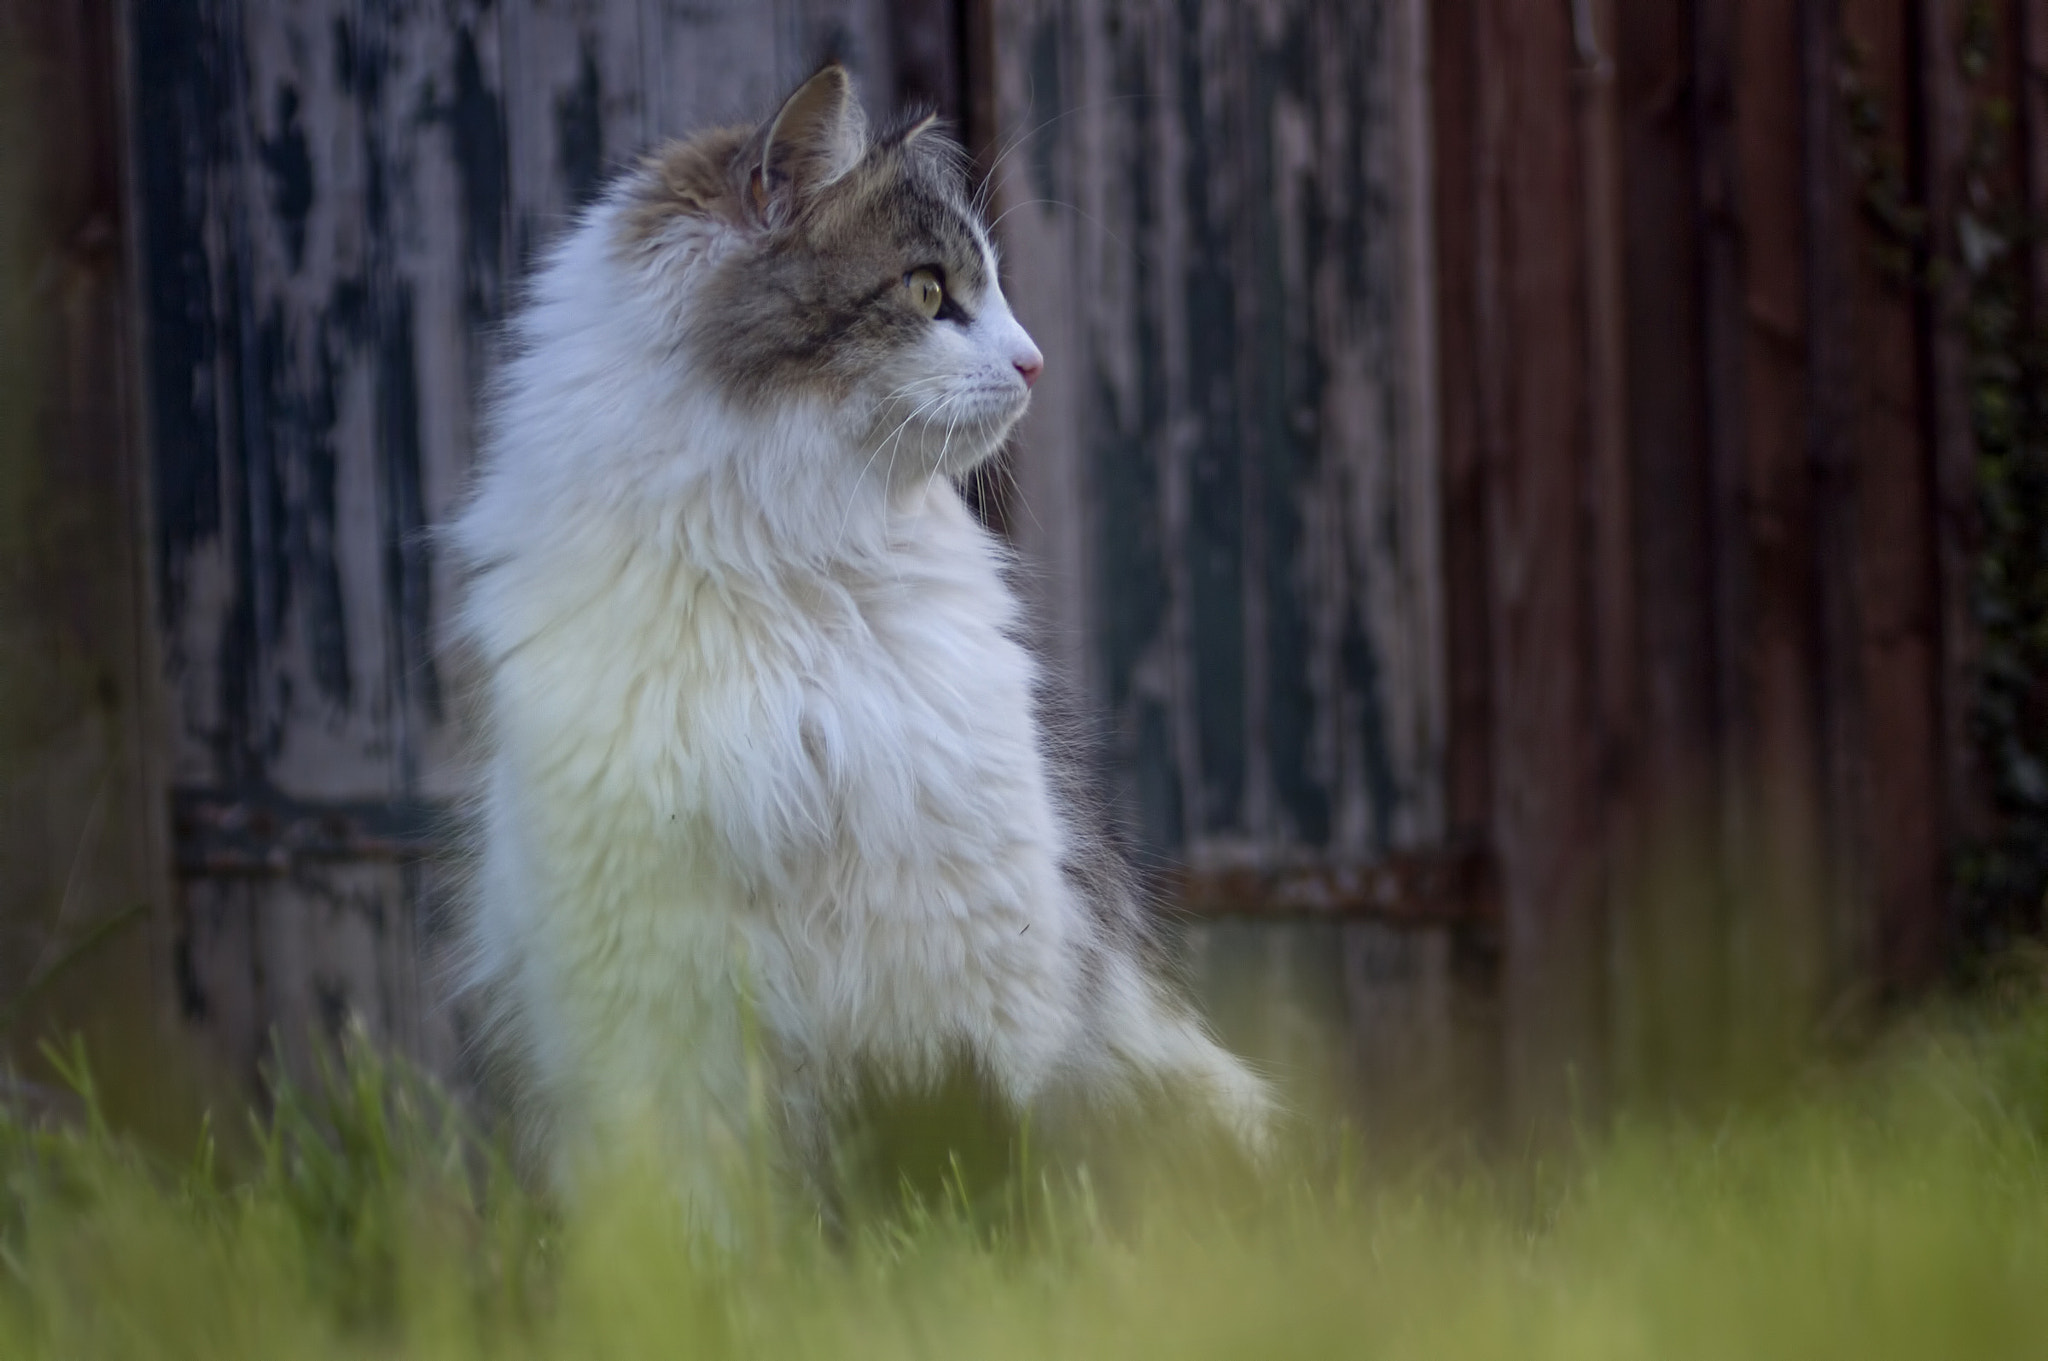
(1030, 364)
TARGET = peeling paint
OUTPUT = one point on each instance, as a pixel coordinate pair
(291, 173)
(404, 518)
(476, 125)
(579, 131)
(1124, 437)
(181, 133)
(1261, 614)
(1214, 544)
(1048, 106)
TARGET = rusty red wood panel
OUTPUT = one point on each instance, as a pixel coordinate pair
(1670, 929)
(1613, 236)
(1887, 474)
(1534, 412)
(2030, 79)
(1943, 132)
(1468, 664)
(1468, 778)
(1766, 597)
(2003, 56)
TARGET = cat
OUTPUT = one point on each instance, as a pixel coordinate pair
(770, 796)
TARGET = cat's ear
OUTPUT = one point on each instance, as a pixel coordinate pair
(817, 135)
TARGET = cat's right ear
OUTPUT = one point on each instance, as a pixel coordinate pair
(817, 135)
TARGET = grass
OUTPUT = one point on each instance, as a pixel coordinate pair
(1896, 1209)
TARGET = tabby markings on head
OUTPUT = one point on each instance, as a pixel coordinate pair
(844, 256)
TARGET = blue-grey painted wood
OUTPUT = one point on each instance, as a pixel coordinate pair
(336, 199)
(1216, 223)
(1216, 218)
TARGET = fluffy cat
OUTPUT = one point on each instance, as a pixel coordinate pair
(768, 803)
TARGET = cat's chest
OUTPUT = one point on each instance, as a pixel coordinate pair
(921, 672)
(866, 723)
(885, 704)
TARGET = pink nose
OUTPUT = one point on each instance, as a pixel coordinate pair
(1030, 367)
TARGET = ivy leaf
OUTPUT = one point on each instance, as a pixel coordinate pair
(1980, 244)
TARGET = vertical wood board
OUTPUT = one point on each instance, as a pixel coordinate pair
(83, 897)
(1218, 224)
(1216, 220)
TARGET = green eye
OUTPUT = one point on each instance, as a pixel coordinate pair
(927, 294)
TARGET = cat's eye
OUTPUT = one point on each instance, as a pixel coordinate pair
(927, 294)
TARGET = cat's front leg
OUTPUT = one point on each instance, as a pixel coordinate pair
(1071, 1021)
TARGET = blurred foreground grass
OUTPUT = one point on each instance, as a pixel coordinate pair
(1897, 1208)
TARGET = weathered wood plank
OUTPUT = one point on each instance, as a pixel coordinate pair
(1766, 598)
(2031, 104)
(84, 895)
(1229, 207)
(1437, 889)
(1942, 137)
(1616, 623)
(1891, 536)
(220, 835)
(316, 638)
(1468, 751)
(574, 97)
(1670, 947)
(186, 128)
(1829, 197)
(1547, 815)
(928, 38)
(1218, 225)
(1468, 777)
(282, 968)
(1405, 1005)
(308, 441)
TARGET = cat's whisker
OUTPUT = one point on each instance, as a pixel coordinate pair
(1085, 216)
(985, 194)
(947, 447)
(897, 444)
(914, 384)
(921, 409)
(889, 476)
(977, 479)
(1008, 470)
(1017, 139)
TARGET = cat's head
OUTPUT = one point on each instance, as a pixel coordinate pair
(844, 269)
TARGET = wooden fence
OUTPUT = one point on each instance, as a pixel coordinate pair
(1709, 459)
(1506, 471)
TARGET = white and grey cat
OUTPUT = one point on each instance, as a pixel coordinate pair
(768, 805)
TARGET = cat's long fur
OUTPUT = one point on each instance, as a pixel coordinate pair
(766, 798)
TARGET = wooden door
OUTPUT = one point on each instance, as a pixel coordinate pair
(336, 199)
(1216, 219)
(1217, 225)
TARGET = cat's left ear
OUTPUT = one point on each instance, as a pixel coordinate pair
(817, 135)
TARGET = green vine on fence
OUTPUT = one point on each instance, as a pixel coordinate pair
(2000, 878)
